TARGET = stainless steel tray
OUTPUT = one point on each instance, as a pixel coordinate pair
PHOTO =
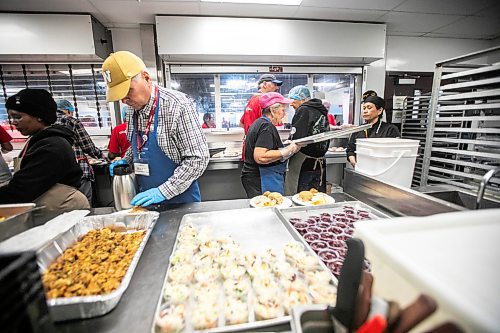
(16, 219)
(303, 211)
(338, 248)
(256, 229)
(311, 319)
(96, 305)
(332, 134)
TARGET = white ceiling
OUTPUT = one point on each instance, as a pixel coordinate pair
(476, 19)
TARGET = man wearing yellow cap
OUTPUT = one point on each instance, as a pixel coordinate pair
(168, 148)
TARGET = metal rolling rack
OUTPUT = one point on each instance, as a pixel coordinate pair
(463, 125)
(414, 125)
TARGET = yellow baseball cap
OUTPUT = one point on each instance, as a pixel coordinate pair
(118, 70)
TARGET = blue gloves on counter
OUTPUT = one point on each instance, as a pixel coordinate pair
(148, 197)
(113, 164)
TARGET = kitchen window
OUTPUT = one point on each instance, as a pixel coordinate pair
(224, 91)
(81, 84)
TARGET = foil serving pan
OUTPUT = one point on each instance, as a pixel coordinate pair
(65, 308)
(256, 229)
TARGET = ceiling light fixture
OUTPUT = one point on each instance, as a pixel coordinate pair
(262, 2)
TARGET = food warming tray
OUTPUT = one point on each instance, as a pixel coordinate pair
(255, 230)
(95, 305)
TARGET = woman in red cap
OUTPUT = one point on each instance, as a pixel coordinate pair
(265, 155)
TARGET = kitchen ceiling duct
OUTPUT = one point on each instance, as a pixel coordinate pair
(255, 40)
(52, 38)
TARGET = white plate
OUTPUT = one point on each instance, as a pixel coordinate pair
(328, 199)
(286, 203)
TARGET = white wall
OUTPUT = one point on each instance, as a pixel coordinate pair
(374, 78)
(419, 54)
(127, 39)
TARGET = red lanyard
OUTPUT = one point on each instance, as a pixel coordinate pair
(25, 148)
(145, 136)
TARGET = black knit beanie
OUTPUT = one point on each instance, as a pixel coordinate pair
(35, 102)
(378, 101)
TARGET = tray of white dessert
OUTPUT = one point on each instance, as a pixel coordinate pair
(238, 270)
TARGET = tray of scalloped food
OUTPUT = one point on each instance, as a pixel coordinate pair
(86, 269)
(238, 270)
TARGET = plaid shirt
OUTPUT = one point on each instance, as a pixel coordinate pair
(82, 144)
(179, 136)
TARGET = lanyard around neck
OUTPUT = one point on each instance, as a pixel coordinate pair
(152, 112)
(378, 127)
(25, 147)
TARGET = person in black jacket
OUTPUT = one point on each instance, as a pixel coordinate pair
(372, 110)
(46, 171)
(307, 168)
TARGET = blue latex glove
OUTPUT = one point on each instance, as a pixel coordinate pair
(112, 166)
(148, 197)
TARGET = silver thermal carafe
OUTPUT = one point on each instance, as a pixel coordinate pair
(124, 188)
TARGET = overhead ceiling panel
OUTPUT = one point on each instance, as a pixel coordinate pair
(473, 26)
(401, 16)
(492, 11)
(416, 22)
(353, 4)
(247, 10)
(356, 15)
(450, 7)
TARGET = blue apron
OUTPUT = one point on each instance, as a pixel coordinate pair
(161, 167)
(272, 178)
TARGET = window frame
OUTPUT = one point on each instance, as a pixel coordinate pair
(309, 69)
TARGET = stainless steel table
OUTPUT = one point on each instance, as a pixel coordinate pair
(135, 311)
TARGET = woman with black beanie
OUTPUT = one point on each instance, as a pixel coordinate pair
(46, 171)
(372, 110)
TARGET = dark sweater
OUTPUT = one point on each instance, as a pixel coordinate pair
(262, 133)
(49, 159)
(311, 118)
(378, 130)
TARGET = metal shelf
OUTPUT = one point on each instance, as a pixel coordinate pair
(463, 124)
(481, 70)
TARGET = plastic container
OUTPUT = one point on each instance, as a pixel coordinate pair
(390, 160)
(451, 257)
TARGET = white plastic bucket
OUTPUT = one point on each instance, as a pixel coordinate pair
(390, 160)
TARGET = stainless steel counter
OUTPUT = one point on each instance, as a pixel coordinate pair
(135, 311)
(221, 180)
(394, 200)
